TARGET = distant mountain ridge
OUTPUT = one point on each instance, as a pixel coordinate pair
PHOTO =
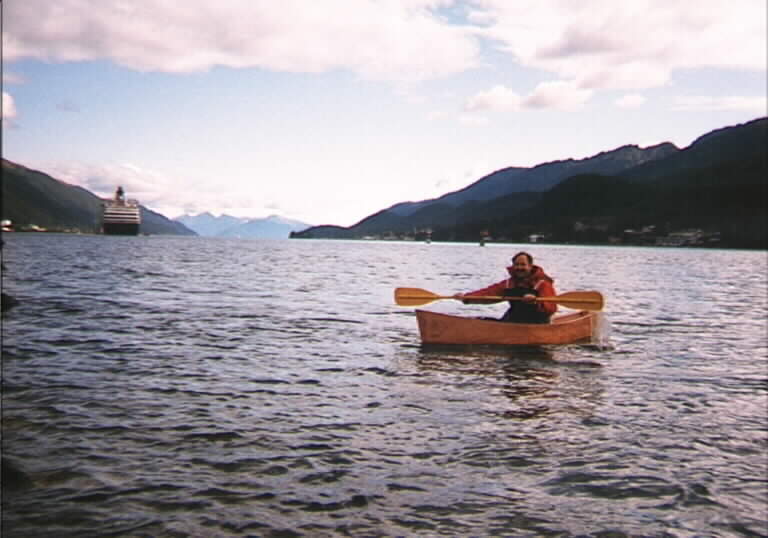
(31, 197)
(517, 184)
(272, 227)
(729, 144)
(542, 177)
(206, 224)
(718, 182)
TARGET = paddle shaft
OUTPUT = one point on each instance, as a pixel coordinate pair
(583, 300)
(480, 297)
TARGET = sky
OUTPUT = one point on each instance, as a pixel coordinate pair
(329, 111)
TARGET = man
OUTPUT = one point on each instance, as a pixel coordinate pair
(526, 281)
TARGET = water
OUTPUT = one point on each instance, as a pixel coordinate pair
(171, 387)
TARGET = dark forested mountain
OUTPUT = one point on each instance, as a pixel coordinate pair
(32, 198)
(542, 177)
(517, 185)
(731, 144)
(717, 184)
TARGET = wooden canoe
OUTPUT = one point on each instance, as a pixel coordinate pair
(436, 328)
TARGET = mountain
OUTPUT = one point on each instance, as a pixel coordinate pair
(154, 223)
(272, 227)
(730, 144)
(32, 198)
(543, 177)
(518, 185)
(715, 192)
(717, 183)
(207, 225)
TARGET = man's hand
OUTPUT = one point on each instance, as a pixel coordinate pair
(529, 298)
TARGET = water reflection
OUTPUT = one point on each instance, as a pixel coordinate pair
(534, 381)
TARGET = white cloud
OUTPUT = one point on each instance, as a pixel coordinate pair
(632, 44)
(103, 179)
(498, 98)
(556, 94)
(633, 100)
(391, 40)
(160, 192)
(595, 44)
(9, 109)
(702, 103)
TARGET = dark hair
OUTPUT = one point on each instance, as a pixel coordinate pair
(530, 258)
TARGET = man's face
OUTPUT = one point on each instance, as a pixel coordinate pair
(521, 266)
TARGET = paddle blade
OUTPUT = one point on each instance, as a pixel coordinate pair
(578, 300)
(415, 296)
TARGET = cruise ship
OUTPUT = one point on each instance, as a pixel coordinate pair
(121, 216)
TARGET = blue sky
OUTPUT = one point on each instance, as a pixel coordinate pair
(328, 111)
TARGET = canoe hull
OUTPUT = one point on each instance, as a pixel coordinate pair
(436, 328)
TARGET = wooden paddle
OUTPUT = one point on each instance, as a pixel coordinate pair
(578, 300)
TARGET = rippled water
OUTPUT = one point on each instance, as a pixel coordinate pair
(160, 386)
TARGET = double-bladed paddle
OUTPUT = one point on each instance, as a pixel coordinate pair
(578, 300)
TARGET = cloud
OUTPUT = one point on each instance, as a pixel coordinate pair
(633, 100)
(103, 179)
(556, 94)
(158, 191)
(392, 40)
(498, 98)
(633, 44)
(598, 44)
(9, 110)
(705, 103)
